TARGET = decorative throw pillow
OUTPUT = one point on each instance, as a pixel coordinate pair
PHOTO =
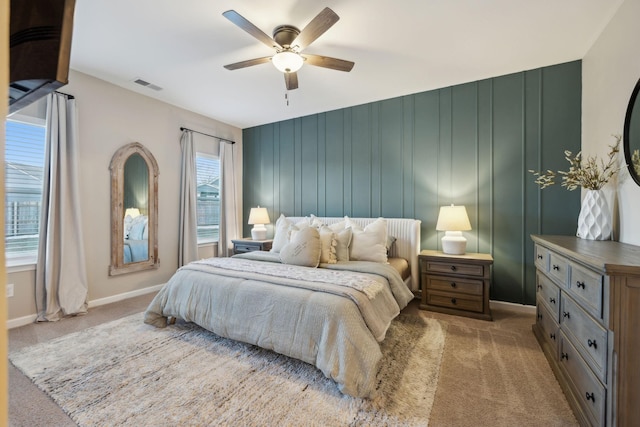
(283, 229)
(328, 245)
(369, 244)
(303, 249)
(343, 240)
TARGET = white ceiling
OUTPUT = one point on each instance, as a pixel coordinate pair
(399, 47)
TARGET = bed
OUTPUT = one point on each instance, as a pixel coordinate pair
(333, 316)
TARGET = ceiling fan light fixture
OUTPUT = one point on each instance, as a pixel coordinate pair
(287, 61)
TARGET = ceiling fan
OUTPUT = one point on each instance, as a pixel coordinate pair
(288, 42)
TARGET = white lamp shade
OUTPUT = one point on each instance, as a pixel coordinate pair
(132, 212)
(453, 220)
(259, 217)
(287, 61)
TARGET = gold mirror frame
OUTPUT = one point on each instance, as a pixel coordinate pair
(118, 266)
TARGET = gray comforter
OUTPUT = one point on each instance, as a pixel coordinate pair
(334, 327)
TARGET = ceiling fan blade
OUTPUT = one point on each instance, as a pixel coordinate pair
(256, 32)
(328, 62)
(248, 63)
(291, 80)
(318, 25)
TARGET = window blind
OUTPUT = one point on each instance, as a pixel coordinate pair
(208, 197)
(24, 164)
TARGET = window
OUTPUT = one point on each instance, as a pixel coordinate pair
(208, 197)
(24, 164)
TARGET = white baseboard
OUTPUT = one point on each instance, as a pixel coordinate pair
(26, 320)
(520, 308)
(126, 295)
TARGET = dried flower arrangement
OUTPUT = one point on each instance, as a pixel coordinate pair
(635, 160)
(589, 174)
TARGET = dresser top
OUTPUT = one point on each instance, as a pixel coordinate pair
(606, 255)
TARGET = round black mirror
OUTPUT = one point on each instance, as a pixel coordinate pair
(632, 135)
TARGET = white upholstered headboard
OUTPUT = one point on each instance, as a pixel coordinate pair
(407, 234)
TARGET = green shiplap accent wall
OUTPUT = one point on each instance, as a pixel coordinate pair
(470, 144)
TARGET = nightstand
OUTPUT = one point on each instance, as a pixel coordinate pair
(241, 246)
(456, 284)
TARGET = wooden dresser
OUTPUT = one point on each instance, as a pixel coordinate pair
(588, 325)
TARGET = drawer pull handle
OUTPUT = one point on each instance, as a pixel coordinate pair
(564, 356)
(552, 300)
(453, 268)
(592, 344)
(580, 284)
(566, 314)
(539, 316)
(539, 256)
(539, 287)
(552, 336)
(591, 397)
(453, 301)
(556, 267)
(453, 284)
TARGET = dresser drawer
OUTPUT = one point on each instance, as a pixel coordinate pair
(542, 258)
(559, 269)
(590, 338)
(240, 248)
(549, 325)
(586, 285)
(454, 285)
(454, 300)
(548, 293)
(590, 393)
(454, 268)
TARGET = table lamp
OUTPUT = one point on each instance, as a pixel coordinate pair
(258, 217)
(453, 220)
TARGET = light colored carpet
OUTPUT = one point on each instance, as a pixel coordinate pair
(127, 373)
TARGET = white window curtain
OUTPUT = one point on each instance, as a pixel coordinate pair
(61, 278)
(188, 227)
(230, 196)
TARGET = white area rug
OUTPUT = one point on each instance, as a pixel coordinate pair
(128, 373)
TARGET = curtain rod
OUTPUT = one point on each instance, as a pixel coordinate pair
(206, 134)
(66, 94)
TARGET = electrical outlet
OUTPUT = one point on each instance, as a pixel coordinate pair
(9, 290)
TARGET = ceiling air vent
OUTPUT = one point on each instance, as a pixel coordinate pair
(147, 84)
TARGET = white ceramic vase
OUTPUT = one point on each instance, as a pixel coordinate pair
(594, 221)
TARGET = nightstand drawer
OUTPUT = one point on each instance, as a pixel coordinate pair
(246, 248)
(454, 285)
(455, 300)
(454, 268)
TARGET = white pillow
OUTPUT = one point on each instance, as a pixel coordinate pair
(137, 227)
(343, 240)
(283, 229)
(368, 244)
(328, 245)
(303, 249)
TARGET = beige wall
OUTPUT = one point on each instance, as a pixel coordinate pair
(109, 117)
(610, 71)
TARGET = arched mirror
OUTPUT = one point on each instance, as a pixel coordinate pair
(134, 210)
(632, 135)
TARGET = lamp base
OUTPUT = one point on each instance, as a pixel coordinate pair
(259, 232)
(454, 243)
